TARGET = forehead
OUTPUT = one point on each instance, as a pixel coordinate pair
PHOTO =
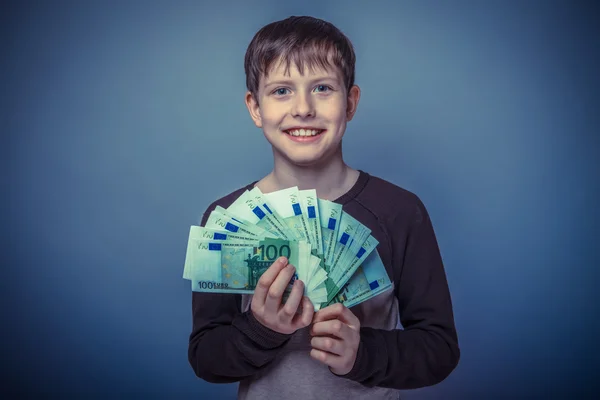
(301, 70)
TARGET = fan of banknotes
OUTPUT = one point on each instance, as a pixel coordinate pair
(333, 253)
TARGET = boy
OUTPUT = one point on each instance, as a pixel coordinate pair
(301, 93)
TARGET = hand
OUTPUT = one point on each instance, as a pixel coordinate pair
(336, 336)
(267, 306)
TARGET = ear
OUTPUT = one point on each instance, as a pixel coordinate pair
(253, 109)
(352, 105)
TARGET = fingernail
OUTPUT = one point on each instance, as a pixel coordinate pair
(283, 260)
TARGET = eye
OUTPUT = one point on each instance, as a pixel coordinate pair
(322, 88)
(280, 91)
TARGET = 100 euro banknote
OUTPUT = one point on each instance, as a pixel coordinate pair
(368, 281)
(234, 266)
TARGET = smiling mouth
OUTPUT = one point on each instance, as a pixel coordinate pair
(304, 132)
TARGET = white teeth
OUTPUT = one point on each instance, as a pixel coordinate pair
(303, 132)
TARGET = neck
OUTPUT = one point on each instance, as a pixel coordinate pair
(330, 179)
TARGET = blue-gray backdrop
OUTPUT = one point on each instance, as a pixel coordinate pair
(122, 120)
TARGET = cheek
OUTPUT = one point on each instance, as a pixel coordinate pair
(338, 121)
(271, 115)
(334, 112)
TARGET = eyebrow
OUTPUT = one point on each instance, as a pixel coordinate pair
(311, 82)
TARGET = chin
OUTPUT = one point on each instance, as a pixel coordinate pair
(301, 160)
(306, 157)
(307, 160)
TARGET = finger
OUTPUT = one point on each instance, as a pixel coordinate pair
(329, 345)
(334, 328)
(291, 305)
(308, 311)
(273, 300)
(337, 311)
(332, 360)
(266, 280)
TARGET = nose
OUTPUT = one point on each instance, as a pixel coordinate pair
(303, 105)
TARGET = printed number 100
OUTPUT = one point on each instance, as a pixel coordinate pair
(272, 253)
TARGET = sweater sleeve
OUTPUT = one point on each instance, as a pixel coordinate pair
(227, 345)
(426, 351)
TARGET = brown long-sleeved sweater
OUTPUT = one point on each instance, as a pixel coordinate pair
(408, 336)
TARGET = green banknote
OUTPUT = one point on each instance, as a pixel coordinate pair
(247, 209)
(200, 234)
(308, 199)
(260, 199)
(287, 204)
(221, 219)
(369, 280)
(367, 296)
(235, 267)
(330, 214)
(341, 276)
(351, 235)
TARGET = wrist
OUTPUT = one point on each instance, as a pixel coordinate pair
(258, 333)
(354, 372)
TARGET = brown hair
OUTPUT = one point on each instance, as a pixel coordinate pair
(300, 40)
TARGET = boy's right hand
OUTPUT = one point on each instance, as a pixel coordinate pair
(267, 305)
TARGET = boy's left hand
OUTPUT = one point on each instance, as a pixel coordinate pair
(336, 336)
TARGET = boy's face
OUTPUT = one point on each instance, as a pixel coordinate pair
(303, 116)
